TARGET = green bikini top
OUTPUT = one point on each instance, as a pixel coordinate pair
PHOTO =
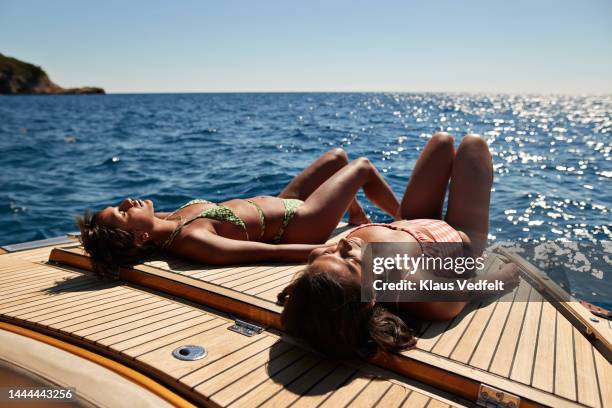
(223, 213)
(217, 212)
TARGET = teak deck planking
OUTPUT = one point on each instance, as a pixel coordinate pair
(527, 348)
(141, 328)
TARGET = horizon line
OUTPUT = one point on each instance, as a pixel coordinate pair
(520, 93)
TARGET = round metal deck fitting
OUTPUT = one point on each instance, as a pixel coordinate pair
(189, 353)
(594, 320)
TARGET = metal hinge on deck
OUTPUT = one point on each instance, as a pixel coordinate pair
(493, 398)
(246, 328)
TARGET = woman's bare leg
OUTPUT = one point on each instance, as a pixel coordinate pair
(424, 195)
(305, 183)
(470, 191)
(323, 209)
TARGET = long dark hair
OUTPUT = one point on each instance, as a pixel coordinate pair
(325, 310)
(108, 247)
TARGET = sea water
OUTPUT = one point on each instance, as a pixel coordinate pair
(62, 154)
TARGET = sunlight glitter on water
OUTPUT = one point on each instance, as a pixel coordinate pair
(552, 154)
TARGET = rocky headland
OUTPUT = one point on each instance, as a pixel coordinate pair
(18, 77)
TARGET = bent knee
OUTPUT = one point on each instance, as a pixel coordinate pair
(338, 154)
(442, 144)
(443, 139)
(473, 145)
(362, 162)
(474, 141)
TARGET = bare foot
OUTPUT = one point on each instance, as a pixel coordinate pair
(357, 215)
(358, 220)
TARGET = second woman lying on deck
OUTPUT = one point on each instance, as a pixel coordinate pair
(265, 228)
(323, 305)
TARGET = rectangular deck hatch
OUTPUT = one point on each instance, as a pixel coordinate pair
(491, 397)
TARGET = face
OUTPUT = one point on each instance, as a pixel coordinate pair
(343, 258)
(135, 216)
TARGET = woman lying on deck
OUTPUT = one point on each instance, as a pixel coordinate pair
(263, 228)
(323, 305)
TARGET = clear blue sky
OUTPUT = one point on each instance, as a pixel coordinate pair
(198, 46)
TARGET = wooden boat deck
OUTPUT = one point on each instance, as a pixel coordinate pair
(31, 359)
(547, 353)
(141, 327)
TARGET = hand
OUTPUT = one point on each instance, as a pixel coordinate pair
(509, 274)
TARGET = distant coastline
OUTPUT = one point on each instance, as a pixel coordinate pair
(22, 78)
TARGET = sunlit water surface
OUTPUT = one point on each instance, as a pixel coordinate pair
(61, 154)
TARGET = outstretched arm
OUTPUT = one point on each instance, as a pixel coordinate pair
(212, 249)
